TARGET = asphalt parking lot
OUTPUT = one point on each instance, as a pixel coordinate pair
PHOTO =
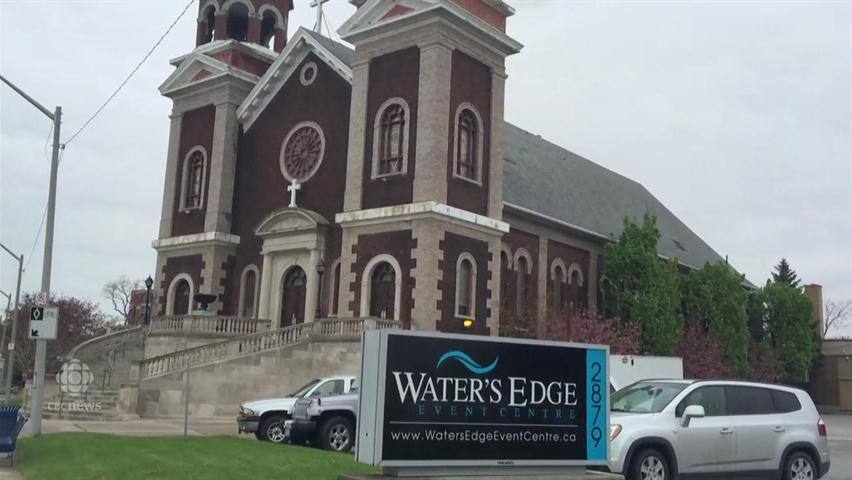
(840, 443)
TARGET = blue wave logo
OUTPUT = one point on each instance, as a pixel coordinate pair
(468, 362)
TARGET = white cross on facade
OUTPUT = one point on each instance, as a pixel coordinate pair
(293, 188)
(318, 5)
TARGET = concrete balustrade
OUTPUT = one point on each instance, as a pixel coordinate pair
(207, 325)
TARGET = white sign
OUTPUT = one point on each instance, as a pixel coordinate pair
(43, 322)
(41, 299)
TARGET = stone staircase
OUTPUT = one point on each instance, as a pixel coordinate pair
(110, 356)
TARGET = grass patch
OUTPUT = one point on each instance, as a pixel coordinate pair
(91, 456)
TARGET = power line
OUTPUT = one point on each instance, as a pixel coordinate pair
(138, 66)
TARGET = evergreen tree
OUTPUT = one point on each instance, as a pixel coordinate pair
(644, 288)
(784, 274)
(786, 314)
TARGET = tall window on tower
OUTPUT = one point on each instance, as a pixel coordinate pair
(390, 139)
(192, 182)
(467, 155)
(465, 286)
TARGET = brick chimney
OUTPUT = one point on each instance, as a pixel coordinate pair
(814, 292)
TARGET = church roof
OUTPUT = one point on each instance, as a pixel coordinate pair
(548, 180)
(544, 179)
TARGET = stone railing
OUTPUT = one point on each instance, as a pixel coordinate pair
(208, 326)
(335, 328)
(106, 343)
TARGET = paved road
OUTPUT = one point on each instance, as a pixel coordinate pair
(840, 443)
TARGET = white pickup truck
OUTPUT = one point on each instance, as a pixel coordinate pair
(265, 418)
(626, 370)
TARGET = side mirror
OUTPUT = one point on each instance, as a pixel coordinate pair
(692, 411)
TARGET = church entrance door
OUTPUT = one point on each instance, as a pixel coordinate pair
(383, 291)
(293, 297)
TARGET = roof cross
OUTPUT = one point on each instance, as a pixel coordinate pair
(318, 5)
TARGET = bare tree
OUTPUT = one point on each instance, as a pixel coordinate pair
(118, 292)
(837, 315)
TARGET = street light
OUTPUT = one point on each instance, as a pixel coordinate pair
(9, 365)
(149, 282)
(320, 271)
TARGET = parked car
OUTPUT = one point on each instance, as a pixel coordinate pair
(265, 418)
(665, 429)
(328, 421)
(626, 370)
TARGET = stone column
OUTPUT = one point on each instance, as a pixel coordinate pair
(265, 288)
(173, 167)
(428, 235)
(592, 282)
(433, 123)
(312, 287)
(493, 304)
(223, 157)
(497, 149)
(357, 132)
(253, 34)
(543, 273)
(347, 276)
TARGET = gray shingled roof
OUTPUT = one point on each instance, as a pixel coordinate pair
(552, 181)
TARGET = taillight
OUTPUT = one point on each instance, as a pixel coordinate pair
(823, 432)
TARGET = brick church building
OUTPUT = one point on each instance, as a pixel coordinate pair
(306, 178)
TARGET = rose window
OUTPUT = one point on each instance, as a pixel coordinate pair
(303, 151)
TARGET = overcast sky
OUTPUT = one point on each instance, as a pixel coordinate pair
(737, 115)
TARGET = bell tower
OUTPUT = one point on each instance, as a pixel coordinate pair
(262, 22)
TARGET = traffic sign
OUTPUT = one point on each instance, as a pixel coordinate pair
(43, 322)
(41, 299)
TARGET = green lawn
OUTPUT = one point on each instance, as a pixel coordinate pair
(89, 456)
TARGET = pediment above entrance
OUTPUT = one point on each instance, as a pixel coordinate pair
(290, 220)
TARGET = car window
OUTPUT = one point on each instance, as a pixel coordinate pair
(645, 397)
(712, 398)
(304, 389)
(785, 402)
(749, 400)
(330, 387)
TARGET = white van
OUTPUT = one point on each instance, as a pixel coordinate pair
(626, 370)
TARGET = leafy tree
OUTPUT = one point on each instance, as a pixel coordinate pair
(79, 320)
(784, 274)
(701, 352)
(764, 363)
(786, 313)
(716, 299)
(584, 327)
(645, 288)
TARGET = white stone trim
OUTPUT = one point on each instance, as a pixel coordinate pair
(303, 78)
(558, 262)
(228, 3)
(366, 280)
(282, 69)
(293, 130)
(184, 180)
(281, 22)
(204, 6)
(242, 297)
(377, 127)
(330, 304)
(170, 296)
(195, 240)
(522, 252)
(505, 248)
(556, 221)
(575, 267)
(462, 257)
(480, 143)
(181, 78)
(217, 46)
(422, 210)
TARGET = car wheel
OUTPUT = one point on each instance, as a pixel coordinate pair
(649, 464)
(800, 466)
(272, 429)
(337, 434)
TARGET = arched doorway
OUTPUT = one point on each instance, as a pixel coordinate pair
(182, 300)
(293, 294)
(383, 291)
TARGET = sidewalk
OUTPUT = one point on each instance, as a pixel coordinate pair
(141, 428)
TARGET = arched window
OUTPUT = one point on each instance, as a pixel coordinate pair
(293, 295)
(267, 28)
(179, 295)
(192, 184)
(468, 144)
(335, 288)
(465, 286)
(382, 291)
(578, 291)
(560, 295)
(390, 149)
(248, 293)
(521, 286)
(238, 18)
(209, 24)
(505, 278)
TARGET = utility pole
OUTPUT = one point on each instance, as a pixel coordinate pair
(41, 345)
(10, 361)
(5, 324)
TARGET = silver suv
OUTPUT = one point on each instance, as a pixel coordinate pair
(667, 429)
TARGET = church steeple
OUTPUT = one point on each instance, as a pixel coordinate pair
(263, 22)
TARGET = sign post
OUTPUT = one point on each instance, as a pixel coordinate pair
(440, 404)
(42, 327)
